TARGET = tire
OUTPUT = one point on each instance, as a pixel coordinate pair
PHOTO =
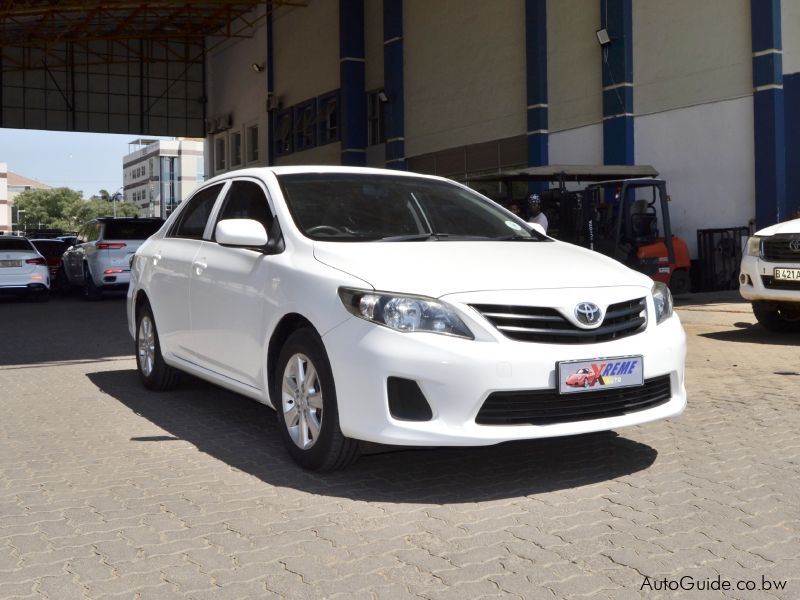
(679, 283)
(90, 290)
(153, 371)
(309, 420)
(585, 383)
(780, 318)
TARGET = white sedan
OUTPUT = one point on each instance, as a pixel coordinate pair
(389, 307)
(23, 270)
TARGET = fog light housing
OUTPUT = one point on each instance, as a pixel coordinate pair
(406, 400)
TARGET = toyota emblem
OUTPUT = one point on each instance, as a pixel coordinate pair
(794, 245)
(588, 313)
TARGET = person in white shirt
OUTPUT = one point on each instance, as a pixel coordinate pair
(537, 216)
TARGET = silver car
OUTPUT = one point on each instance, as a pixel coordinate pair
(99, 260)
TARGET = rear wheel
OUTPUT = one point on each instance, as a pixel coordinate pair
(90, 290)
(305, 400)
(153, 371)
(780, 318)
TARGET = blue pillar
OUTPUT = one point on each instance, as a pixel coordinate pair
(768, 107)
(393, 84)
(791, 92)
(536, 79)
(352, 77)
(617, 65)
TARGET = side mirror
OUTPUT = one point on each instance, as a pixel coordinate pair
(241, 232)
(538, 228)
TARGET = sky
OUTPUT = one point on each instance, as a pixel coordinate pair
(87, 162)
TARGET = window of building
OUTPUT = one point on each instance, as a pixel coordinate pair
(328, 118)
(252, 143)
(236, 149)
(219, 154)
(305, 121)
(283, 132)
(376, 118)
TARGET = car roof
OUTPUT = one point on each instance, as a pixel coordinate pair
(116, 219)
(300, 169)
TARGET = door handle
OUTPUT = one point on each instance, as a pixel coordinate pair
(199, 267)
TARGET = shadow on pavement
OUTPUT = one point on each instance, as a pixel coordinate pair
(750, 333)
(63, 329)
(244, 434)
(706, 298)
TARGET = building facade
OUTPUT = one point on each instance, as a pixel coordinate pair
(706, 92)
(11, 185)
(162, 173)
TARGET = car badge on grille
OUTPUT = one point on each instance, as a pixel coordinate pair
(794, 245)
(588, 314)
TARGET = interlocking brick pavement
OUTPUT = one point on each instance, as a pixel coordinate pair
(108, 491)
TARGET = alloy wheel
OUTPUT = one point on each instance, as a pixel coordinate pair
(146, 350)
(301, 401)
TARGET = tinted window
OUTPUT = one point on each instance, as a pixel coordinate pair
(353, 208)
(93, 232)
(192, 220)
(131, 230)
(15, 244)
(246, 200)
(50, 248)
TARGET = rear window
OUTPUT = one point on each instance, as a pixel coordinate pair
(131, 230)
(15, 244)
(50, 248)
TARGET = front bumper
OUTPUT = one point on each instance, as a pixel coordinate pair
(754, 269)
(457, 375)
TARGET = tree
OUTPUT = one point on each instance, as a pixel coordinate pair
(65, 209)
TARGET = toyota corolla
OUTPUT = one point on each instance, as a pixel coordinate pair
(380, 306)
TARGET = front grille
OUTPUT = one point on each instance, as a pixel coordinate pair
(777, 249)
(547, 325)
(548, 407)
(779, 284)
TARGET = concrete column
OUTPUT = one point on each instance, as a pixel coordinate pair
(617, 65)
(353, 101)
(393, 81)
(536, 78)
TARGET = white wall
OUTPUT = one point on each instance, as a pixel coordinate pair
(579, 146)
(464, 72)
(706, 155)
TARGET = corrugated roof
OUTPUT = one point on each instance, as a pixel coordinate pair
(17, 180)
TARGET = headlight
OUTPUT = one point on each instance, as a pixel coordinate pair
(404, 313)
(754, 246)
(662, 299)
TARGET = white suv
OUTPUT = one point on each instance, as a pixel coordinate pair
(770, 276)
(365, 304)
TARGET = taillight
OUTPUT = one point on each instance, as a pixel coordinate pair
(108, 246)
(112, 271)
(36, 261)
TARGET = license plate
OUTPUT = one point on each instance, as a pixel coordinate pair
(10, 263)
(787, 274)
(599, 374)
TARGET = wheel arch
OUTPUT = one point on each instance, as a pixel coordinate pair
(288, 324)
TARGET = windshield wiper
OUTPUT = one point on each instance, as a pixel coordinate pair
(412, 237)
(515, 238)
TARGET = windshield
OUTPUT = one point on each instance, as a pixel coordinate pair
(50, 248)
(15, 244)
(131, 229)
(348, 207)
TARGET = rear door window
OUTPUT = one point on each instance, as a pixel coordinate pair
(193, 219)
(131, 230)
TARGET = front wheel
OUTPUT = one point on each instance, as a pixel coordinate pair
(153, 371)
(305, 401)
(780, 318)
(679, 283)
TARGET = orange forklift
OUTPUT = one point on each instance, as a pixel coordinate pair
(622, 212)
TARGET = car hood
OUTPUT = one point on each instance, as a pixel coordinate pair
(792, 226)
(439, 268)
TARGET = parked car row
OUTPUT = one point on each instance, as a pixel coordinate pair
(95, 260)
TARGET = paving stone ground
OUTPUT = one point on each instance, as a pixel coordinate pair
(107, 491)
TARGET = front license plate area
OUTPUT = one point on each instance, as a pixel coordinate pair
(786, 274)
(575, 376)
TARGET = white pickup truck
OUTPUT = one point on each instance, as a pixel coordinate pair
(770, 276)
